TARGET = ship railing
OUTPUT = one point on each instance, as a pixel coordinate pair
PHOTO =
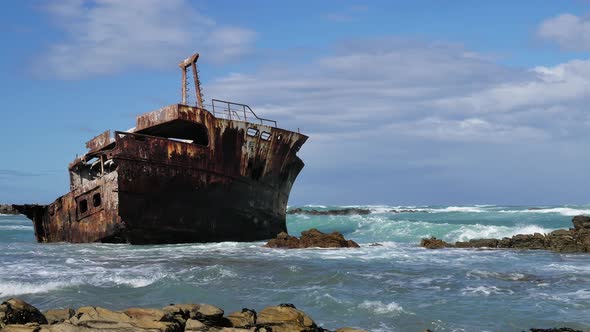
(236, 111)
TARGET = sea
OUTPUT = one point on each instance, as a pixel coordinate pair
(393, 286)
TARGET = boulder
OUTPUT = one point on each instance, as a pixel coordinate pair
(434, 243)
(29, 327)
(286, 318)
(244, 318)
(58, 315)
(312, 238)
(195, 325)
(16, 311)
(208, 314)
(528, 241)
(581, 222)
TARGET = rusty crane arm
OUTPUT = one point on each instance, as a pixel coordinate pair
(191, 62)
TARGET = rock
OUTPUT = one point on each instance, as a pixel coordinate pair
(208, 314)
(338, 212)
(283, 318)
(244, 318)
(312, 238)
(140, 320)
(528, 241)
(575, 239)
(29, 327)
(16, 311)
(8, 209)
(434, 243)
(478, 243)
(58, 315)
(146, 314)
(195, 325)
(581, 222)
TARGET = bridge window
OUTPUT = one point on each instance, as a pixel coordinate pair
(265, 136)
(252, 132)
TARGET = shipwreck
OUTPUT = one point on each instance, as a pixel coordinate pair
(184, 173)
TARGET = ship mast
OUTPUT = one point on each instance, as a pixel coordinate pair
(184, 65)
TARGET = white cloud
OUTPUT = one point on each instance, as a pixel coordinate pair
(391, 88)
(108, 36)
(571, 32)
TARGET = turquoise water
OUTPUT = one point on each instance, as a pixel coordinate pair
(394, 287)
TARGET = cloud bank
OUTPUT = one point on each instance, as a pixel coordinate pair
(108, 36)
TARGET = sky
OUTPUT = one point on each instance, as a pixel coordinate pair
(405, 102)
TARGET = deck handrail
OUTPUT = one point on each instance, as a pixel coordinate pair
(227, 110)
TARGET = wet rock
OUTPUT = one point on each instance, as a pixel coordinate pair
(581, 223)
(16, 311)
(245, 318)
(434, 243)
(337, 212)
(575, 239)
(283, 318)
(312, 238)
(58, 315)
(478, 243)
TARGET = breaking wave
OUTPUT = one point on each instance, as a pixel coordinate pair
(11, 288)
(379, 307)
(565, 211)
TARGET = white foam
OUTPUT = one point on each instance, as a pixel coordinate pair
(379, 307)
(485, 290)
(315, 206)
(10, 288)
(465, 209)
(478, 231)
(137, 282)
(565, 211)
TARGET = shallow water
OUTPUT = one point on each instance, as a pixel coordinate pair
(394, 287)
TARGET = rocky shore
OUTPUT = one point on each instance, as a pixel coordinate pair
(17, 315)
(311, 239)
(8, 209)
(576, 239)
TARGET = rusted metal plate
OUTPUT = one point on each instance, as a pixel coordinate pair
(99, 142)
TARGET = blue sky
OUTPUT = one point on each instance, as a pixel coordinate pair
(413, 102)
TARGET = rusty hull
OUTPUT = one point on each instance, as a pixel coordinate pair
(227, 183)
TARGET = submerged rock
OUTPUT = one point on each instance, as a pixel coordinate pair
(575, 239)
(335, 212)
(312, 238)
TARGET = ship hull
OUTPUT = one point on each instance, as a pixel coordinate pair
(229, 182)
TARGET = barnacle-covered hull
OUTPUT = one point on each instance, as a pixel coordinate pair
(181, 175)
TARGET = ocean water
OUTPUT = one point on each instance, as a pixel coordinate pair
(397, 286)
